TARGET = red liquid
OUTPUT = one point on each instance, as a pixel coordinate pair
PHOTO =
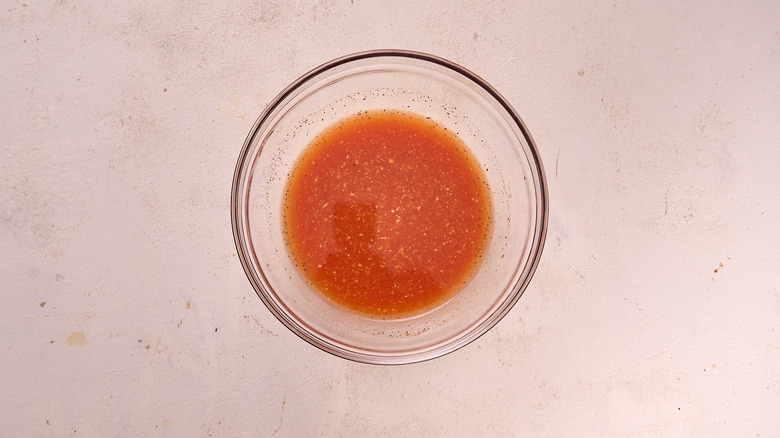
(387, 214)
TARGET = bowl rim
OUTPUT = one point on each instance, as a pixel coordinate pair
(242, 246)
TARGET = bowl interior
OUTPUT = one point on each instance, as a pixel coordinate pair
(456, 100)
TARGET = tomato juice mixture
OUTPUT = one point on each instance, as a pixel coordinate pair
(387, 214)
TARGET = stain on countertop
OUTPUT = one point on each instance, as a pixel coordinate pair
(76, 339)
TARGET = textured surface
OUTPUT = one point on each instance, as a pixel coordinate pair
(655, 309)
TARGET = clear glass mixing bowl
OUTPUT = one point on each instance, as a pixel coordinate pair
(412, 82)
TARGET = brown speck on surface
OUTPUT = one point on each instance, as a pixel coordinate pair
(188, 305)
(581, 73)
(76, 339)
(43, 303)
(148, 346)
(164, 90)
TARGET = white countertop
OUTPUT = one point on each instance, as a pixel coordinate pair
(655, 310)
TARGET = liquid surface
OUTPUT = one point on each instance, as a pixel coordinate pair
(387, 214)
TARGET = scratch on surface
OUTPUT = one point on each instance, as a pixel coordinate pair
(281, 417)
(557, 156)
(41, 316)
(639, 362)
(263, 330)
(124, 369)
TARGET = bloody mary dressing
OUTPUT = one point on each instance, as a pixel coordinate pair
(387, 214)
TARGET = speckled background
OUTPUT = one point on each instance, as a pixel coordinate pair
(655, 310)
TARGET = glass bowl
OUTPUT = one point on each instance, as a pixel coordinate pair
(403, 81)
